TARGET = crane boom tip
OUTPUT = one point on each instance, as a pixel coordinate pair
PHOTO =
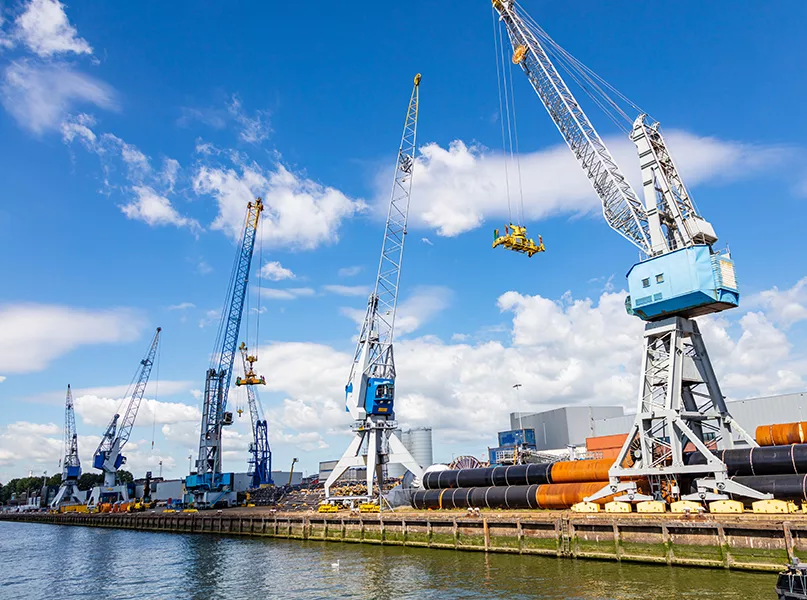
(417, 79)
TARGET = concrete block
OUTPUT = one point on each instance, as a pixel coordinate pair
(686, 506)
(618, 507)
(651, 506)
(586, 507)
(722, 507)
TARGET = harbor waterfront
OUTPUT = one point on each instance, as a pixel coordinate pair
(733, 542)
(36, 560)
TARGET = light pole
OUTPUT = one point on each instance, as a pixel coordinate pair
(518, 405)
(190, 457)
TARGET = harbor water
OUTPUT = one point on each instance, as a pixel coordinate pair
(45, 561)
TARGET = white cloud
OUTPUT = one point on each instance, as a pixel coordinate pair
(154, 209)
(459, 187)
(30, 443)
(348, 290)
(274, 271)
(169, 172)
(33, 335)
(413, 311)
(299, 213)
(785, 307)
(166, 388)
(350, 271)
(2, 379)
(427, 241)
(287, 293)
(44, 28)
(182, 306)
(97, 411)
(40, 97)
(255, 129)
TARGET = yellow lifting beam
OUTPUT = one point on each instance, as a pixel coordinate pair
(515, 238)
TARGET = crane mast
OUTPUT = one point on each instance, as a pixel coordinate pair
(208, 478)
(71, 466)
(260, 462)
(681, 277)
(108, 456)
(370, 391)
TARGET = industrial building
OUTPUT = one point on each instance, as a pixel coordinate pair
(570, 426)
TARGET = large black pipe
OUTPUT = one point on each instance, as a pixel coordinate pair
(514, 496)
(783, 487)
(513, 475)
(768, 460)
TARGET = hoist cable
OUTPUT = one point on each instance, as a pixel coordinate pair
(496, 38)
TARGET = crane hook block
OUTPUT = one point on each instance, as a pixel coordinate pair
(515, 238)
(519, 54)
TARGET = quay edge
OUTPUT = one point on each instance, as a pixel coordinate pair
(740, 542)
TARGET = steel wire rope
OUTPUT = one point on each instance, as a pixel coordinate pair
(503, 57)
(156, 395)
(518, 154)
(496, 39)
(260, 291)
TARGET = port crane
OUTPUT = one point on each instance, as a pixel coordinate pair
(681, 276)
(260, 462)
(109, 456)
(370, 391)
(71, 465)
(208, 484)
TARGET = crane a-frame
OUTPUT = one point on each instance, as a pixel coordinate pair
(370, 391)
(682, 276)
(109, 456)
(208, 484)
(71, 466)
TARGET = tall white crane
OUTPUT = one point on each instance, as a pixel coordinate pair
(71, 466)
(109, 456)
(681, 277)
(370, 391)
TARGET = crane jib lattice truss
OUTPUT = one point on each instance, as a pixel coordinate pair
(208, 476)
(370, 391)
(109, 456)
(682, 276)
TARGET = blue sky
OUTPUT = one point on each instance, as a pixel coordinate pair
(132, 139)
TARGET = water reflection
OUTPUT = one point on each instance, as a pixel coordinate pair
(38, 561)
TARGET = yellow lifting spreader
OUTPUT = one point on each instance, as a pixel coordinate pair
(250, 378)
(515, 238)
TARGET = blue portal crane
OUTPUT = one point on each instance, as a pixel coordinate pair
(370, 391)
(260, 461)
(680, 276)
(71, 465)
(208, 484)
(109, 456)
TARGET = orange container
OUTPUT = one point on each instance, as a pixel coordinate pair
(782, 434)
(564, 495)
(579, 471)
(606, 442)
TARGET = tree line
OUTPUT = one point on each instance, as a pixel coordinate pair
(22, 485)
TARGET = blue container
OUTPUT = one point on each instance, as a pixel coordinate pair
(686, 283)
(517, 437)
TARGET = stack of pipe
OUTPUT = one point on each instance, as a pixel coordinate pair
(782, 434)
(544, 485)
(778, 470)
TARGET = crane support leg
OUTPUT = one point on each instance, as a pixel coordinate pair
(680, 408)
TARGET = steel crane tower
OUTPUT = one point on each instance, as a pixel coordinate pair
(260, 462)
(682, 276)
(108, 456)
(208, 484)
(71, 465)
(370, 391)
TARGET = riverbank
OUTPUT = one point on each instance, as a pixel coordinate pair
(740, 542)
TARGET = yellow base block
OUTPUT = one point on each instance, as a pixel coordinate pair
(722, 507)
(771, 507)
(327, 508)
(586, 507)
(369, 508)
(190, 510)
(684, 506)
(618, 507)
(651, 506)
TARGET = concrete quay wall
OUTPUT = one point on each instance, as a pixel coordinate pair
(745, 542)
